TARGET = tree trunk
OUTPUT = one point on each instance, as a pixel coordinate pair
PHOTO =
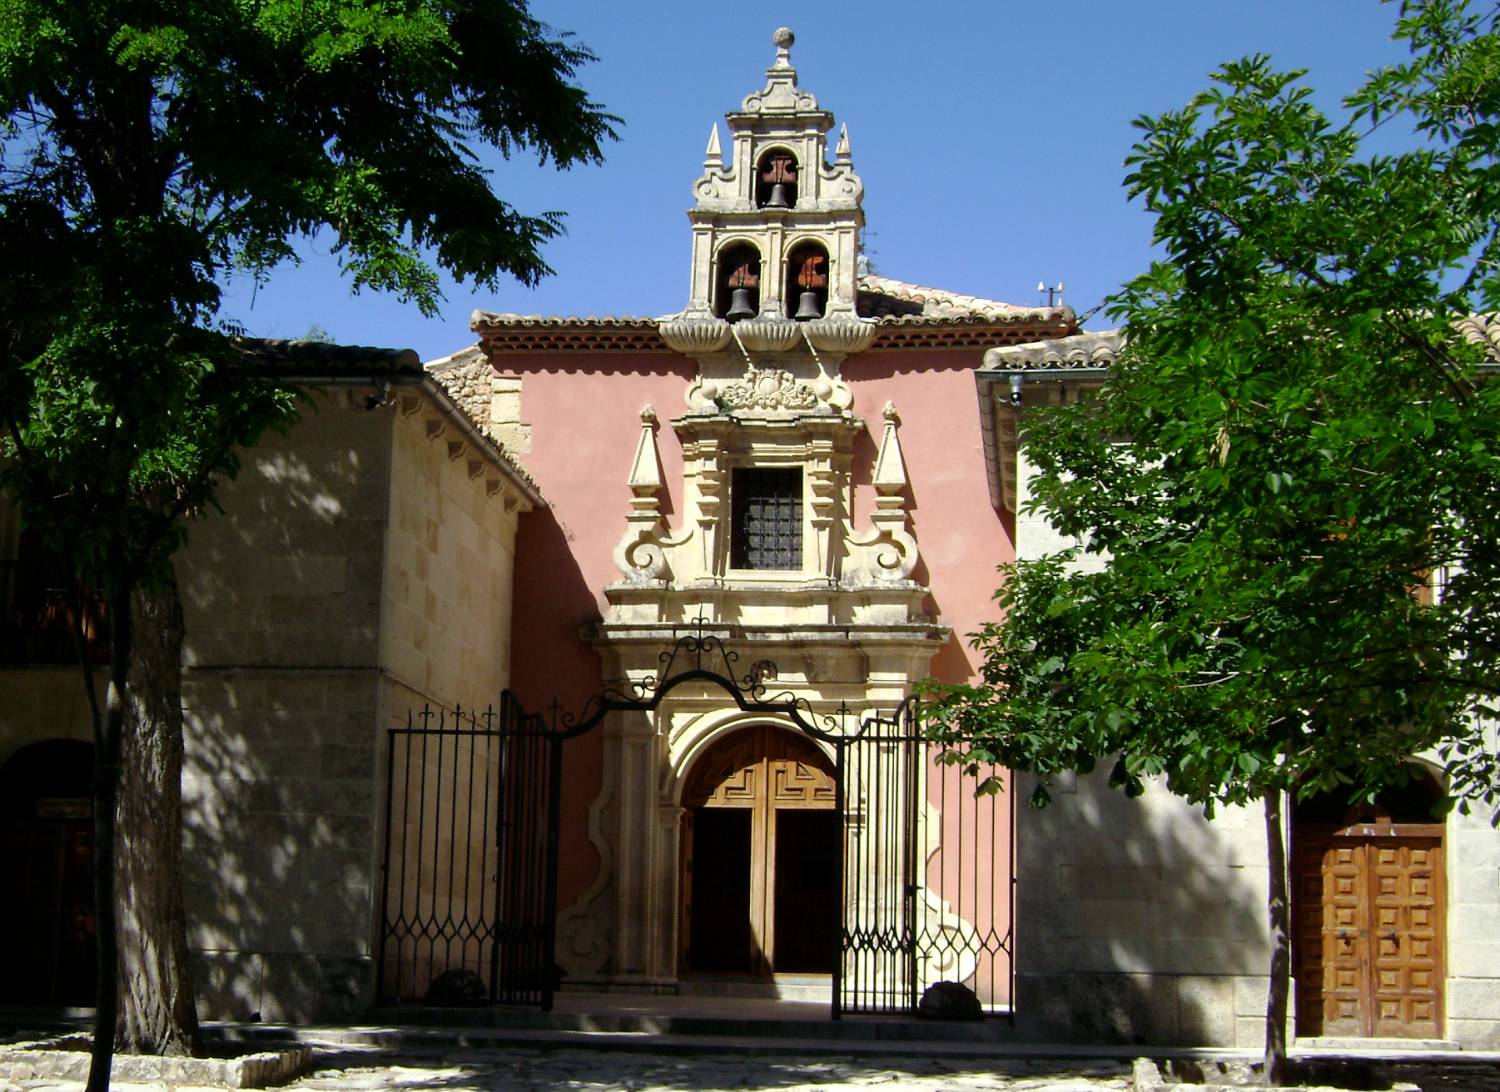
(157, 1009)
(1279, 912)
(107, 725)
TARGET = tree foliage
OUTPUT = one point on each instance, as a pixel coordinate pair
(1288, 492)
(152, 148)
(1290, 484)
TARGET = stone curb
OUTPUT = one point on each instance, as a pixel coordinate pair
(264, 1069)
(1146, 1076)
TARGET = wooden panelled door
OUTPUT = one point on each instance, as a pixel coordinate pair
(759, 847)
(1368, 927)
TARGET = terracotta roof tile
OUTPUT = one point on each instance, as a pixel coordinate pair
(1484, 331)
(1087, 352)
(891, 300)
(275, 356)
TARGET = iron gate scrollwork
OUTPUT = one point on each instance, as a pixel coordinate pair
(471, 856)
(928, 872)
(471, 802)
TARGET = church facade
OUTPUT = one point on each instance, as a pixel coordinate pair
(714, 554)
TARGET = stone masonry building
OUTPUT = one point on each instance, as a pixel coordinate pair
(707, 558)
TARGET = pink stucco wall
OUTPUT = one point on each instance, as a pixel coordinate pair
(961, 535)
(584, 412)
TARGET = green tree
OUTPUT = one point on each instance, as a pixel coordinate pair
(150, 149)
(1290, 484)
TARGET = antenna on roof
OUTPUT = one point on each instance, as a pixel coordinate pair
(1054, 293)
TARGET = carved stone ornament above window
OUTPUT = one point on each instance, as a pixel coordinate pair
(765, 390)
(768, 389)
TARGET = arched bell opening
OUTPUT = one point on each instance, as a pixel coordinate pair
(776, 180)
(46, 874)
(760, 835)
(737, 284)
(1368, 921)
(807, 281)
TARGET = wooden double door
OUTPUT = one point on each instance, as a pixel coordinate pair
(1368, 929)
(760, 884)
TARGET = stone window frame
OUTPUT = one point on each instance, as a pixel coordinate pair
(763, 480)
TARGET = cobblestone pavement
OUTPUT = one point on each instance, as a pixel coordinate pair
(515, 1070)
(531, 1069)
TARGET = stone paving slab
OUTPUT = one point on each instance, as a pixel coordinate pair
(498, 1068)
(518, 1070)
(595, 1071)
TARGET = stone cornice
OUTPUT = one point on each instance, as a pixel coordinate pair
(502, 333)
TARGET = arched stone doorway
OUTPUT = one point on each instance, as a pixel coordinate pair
(47, 853)
(760, 884)
(1368, 916)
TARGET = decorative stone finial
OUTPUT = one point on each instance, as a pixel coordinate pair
(783, 39)
(714, 156)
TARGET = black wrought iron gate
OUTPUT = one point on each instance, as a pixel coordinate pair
(470, 886)
(471, 857)
(928, 870)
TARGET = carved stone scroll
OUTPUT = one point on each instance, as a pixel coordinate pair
(887, 552)
(641, 554)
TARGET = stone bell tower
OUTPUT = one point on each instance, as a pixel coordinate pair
(771, 319)
(776, 230)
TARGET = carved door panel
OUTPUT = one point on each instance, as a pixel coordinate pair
(1406, 942)
(755, 839)
(1367, 923)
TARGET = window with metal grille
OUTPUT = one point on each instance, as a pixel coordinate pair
(766, 506)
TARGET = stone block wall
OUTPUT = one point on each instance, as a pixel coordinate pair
(41, 703)
(1473, 864)
(1138, 920)
(361, 568)
(282, 597)
(280, 793)
(289, 574)
(450, 554)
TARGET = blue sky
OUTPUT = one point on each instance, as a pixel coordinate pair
(990, 137)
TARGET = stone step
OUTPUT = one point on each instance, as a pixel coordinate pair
(743, 1022)
(1344, 1044)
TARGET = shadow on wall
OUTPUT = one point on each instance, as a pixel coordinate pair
(1139, 921)
(549, 663)
(283, 595)
(279, 846)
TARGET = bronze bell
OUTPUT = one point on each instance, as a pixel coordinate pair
(810, 277)
(779, 173)
(807, 306)
(740, 305)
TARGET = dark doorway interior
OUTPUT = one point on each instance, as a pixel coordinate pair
(47, 853)
(721, 941)
(807, 889)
